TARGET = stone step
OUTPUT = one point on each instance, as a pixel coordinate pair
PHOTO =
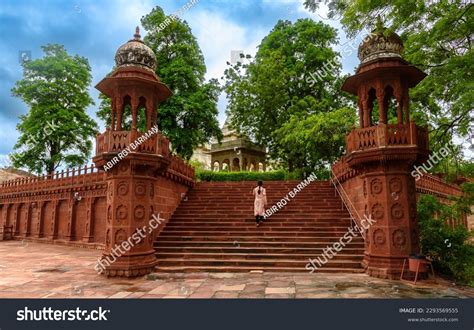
(248, 249)
(251, 226)
(255, 263)
(213, 229)
(222, 233)
(243, 238)
(251, 244)
(229, 256)
(246, 269)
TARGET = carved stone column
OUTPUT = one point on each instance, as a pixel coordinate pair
(130, 195)
(391, 203)
(27, 220)
(39, 219)
(54, 219)
(16, 222)
(71, 217)
(89, 223)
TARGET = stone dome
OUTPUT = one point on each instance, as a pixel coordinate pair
(378, 45)
(136, 53)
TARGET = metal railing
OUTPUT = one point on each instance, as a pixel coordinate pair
(346, 201)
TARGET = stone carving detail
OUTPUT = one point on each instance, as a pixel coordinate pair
(395, 185)
(139, 212)
(110, 192)
(122, 189)
(152, 189)
(122, 212)
(108, 237)
(377, 46)
(123, 167)
(120, 236)
(379, 237)
(135, 53)
(109, 214)
(376, 186)
(140, 189)
(397, 211)
(399, 239)
(377, 211)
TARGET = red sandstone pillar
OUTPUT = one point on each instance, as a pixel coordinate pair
(394, 236)
(129, 239)
(89, 224)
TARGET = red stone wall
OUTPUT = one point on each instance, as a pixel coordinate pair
(169, 195)
(44, 209)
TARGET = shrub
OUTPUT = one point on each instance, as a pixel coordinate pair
(205, 175)
(449, 248)
(240, 176)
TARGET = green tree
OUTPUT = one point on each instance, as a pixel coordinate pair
(56, 130)
(437, 37)
(189, 117)
(450, 248)
(316, 140)
(294, 76)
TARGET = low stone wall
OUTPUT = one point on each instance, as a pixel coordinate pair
(69, 207)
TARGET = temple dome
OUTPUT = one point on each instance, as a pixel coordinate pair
(136, 53)
(380, 45)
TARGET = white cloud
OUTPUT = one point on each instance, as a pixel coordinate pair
(217, 37)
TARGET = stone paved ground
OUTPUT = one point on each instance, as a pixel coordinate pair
(33, 270)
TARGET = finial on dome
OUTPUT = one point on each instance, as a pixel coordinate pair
(137, 33)
(379, 26)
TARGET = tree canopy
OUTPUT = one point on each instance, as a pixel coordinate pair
(437, 37)
(281, 97)
(56, 130)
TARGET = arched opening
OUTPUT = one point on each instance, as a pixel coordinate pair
(371, 105)
(245, 165)
(261, 167)
(216, 166)
(390, 107)
(236, 165)
(225, 165)
(141, 115)
(124, 114)
(253, 166)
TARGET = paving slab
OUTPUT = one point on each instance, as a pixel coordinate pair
(37, 270)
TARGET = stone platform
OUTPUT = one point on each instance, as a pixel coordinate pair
(34, 270)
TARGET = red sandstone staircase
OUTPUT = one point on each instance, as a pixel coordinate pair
(214, 229)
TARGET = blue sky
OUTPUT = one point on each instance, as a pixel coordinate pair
(96, 28)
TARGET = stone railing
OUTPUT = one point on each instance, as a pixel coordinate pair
(71, 177)
(431, 184)
(342, 171)
(390, 135)
(116, 141)
(181, 171)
